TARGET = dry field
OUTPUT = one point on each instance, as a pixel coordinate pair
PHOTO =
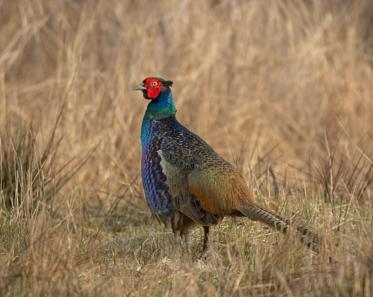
(282, 89)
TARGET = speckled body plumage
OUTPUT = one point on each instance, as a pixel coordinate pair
(185, 181)
(170, 155)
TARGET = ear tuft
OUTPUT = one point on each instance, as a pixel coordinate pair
(169, 83)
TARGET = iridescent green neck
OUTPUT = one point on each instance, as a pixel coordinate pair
(162, 107)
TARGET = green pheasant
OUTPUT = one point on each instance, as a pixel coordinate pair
(186, 182)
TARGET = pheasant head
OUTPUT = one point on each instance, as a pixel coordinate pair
(158, 91)
(152, 87)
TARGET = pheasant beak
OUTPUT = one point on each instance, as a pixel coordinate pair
(140, 87)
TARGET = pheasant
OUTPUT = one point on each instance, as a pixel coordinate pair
(185, 181)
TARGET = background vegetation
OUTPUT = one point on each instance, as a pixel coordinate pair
(283, 89)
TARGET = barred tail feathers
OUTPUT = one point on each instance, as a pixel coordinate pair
(257, 213)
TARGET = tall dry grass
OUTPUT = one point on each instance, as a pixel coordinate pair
(283, 89)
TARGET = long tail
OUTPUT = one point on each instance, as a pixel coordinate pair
(257, 213)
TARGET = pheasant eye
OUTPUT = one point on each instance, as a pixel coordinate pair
(153, 84)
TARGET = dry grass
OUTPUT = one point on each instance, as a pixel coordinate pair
(283, 89)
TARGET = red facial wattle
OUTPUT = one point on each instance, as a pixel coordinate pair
(153, 87)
